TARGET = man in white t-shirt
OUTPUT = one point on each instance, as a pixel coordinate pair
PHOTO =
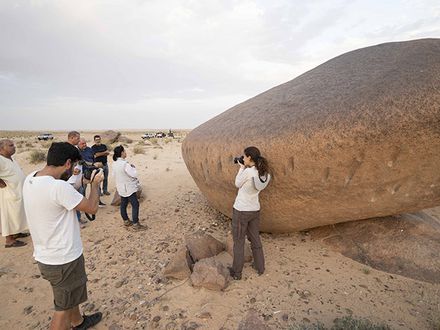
(50, 203)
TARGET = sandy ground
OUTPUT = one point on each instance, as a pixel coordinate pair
(305, 281)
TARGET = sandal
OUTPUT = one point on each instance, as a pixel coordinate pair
(89, 321)
(21, 235)
(15, 244)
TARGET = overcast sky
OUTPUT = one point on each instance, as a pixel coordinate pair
(124, 64)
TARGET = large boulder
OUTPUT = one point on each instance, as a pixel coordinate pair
(356, 137)
(109, 137)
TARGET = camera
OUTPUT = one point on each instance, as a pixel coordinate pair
(239, 160)
(88, 170)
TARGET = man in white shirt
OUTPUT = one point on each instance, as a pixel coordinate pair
(50, 203)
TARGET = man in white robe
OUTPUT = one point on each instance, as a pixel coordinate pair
(12, 215)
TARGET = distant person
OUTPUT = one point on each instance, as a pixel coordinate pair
(100, 153)
(127, 185)
(12, 215)
(251, 178)
(50, 203)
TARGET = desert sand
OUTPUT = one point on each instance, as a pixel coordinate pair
(306, 280)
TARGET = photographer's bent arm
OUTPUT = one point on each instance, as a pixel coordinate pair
(242, 177)
(90, 205)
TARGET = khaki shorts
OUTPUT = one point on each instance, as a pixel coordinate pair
(68, 283)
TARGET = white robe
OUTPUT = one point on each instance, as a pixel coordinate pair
(12, 215)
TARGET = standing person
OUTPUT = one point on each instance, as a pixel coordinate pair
(252, 177)
(75, 180)
(73, 138)
(100, 153)
(127, 185)
(12, 215)
(88, 159)
(50, 203)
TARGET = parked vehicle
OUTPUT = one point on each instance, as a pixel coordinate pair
(45, 137)
(148, 136)
(160, 135)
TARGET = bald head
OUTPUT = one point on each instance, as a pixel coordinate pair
(7, 148)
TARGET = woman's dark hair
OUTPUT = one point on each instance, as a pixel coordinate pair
(117, 152)
(60, 152)
(260, 162)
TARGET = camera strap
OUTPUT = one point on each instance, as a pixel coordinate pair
(91, 217)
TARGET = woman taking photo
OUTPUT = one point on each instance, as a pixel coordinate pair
(252, 177)
(127, 185)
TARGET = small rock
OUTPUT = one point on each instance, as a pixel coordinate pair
(204, 315)
(114, 326)
(156, 318)
(28, 309)
(120, 283)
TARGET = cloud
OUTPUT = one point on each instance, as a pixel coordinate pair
(87, 55)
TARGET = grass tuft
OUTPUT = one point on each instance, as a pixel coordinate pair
(138, 150)
(37, 156)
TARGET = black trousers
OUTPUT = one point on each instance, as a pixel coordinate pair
(246, 223)
(134, 208)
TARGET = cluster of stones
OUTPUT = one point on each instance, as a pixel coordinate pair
(205, 260)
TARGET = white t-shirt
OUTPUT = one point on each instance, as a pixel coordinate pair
(49, 204)
(247, 196)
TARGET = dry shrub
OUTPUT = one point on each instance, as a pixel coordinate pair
(37, 156)
(168, 140)
(138, 150)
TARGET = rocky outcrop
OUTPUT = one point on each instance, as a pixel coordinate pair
(406, 244)
(357, 137)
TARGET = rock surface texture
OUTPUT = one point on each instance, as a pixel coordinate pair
(357, 137)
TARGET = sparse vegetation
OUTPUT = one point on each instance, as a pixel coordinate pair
(138, 150)
(366, 270)
(154, 140)
(155, 157)
(29, 144)
(46, 144)
(168, 140)
(345, 323)
(37, 156)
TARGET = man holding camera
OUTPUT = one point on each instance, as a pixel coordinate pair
(88, 160)
(100, 153)
(50, 203)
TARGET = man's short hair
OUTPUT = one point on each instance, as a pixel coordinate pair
(60, 152)
(72, 134)
(3, 142)
(96, 136)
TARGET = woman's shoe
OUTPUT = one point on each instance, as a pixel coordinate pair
(235, 276)
(137, 226)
